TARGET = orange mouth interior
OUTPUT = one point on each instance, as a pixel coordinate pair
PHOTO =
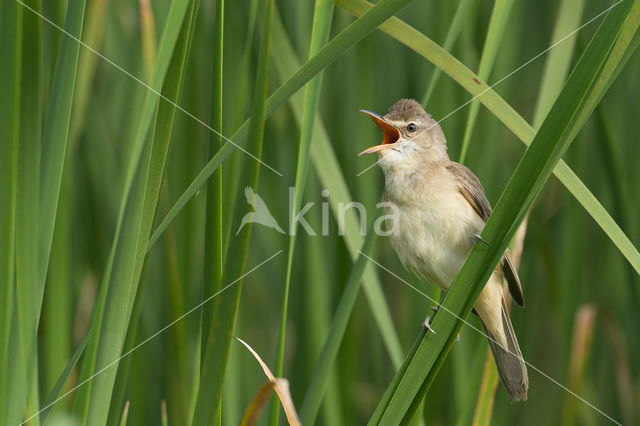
(391, 134)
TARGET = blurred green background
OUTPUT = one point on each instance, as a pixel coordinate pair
(580, 327)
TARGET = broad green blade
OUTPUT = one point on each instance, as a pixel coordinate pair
(11, 52)
(214, 235)
(555, 72)
(121, 384)
(56, 133)
(16, 386)
(54, 145)
(29, 290)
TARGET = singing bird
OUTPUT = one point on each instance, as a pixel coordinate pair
(442, 208)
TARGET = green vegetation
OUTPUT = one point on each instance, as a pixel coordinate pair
(127, 263)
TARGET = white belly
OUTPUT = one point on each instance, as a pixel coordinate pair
(435, 237)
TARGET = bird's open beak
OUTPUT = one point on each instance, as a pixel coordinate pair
(391, 134)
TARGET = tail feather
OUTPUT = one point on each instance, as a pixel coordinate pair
(511, 366)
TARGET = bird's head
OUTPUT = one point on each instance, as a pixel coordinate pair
(411, 136)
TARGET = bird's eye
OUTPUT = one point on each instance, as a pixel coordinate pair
(411, 127)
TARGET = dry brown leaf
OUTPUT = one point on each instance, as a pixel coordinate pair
(281, 386)
(581, 344)
(580, 349)
(254, 410)
(125, 414)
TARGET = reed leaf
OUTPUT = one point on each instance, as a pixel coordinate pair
(56, 132)
(28, 290)
(556, 69)
(10, 75)
(214, 234)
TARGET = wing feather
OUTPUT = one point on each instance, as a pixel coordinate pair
(471, 189)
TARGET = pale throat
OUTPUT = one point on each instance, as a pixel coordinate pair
(407, 177)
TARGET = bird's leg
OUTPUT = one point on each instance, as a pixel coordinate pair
(427, 320)
(427, 325)
(477, 237)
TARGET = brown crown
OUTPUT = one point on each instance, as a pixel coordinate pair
(407, 110)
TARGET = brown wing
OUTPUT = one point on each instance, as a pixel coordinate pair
(471, 189)
(510, 274)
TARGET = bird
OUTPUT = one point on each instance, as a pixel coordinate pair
(260, 213)
(441, 209)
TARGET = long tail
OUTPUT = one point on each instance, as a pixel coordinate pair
(511, 366)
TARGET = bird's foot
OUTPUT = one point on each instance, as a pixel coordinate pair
(477, 237)
(427, 325)
(427, 320)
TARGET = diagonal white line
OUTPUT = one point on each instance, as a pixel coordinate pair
(199, 305)
(142, 83)
(511, 73)
(373, 165)
(493, 340)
